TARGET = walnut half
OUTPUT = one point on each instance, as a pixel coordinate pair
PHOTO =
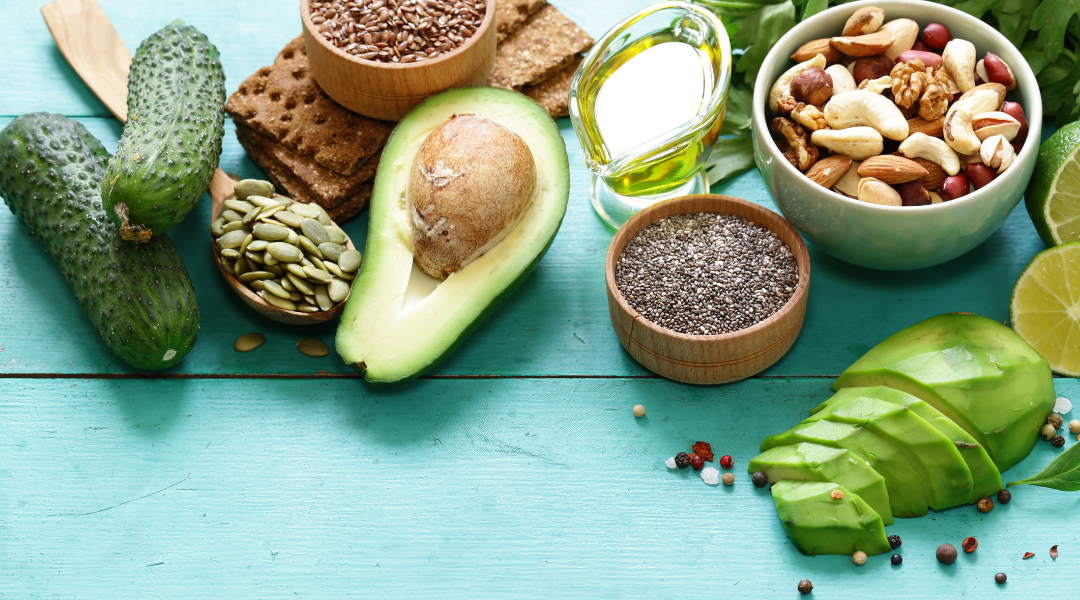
(809, 116)
(801, 153)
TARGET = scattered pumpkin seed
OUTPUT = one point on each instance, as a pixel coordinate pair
(336, 235)
(300, 284)
(250, 215)
(307, 308)
(232, 239)
(286, 283)
(247, 242)
(270, 233)
(349, 261)
(318, 275)
(294, 238)
(215, 227)
(228, 265)
(296, 269)
(249, 342)
(230, 254)
(310, 248)
(334, 268)
(313, 347)
(258, 245)
(254, 257)
(246, 188)
(317, 263)
(307, 211)
(275, 288)
(262, 201)
(338, 290)
(233, 226)
(254, 275)
(304, 262)
(267, 213)
(331, 251)
(241, 266)
(258, 285)
(277, 301)
(289, 218)
(296, 296)
(324, 217)
(314, 231)
(285, 252)
(232, 215)
(240, 206)
(309, 299)
(269, 258)
(276, 270)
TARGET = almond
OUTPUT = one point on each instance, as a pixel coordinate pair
(892, 169)
(931, 128)
(870, 44)
(827, 171)
(935, 175)
(813, 48)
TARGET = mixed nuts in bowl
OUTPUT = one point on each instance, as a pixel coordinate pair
(887, 140)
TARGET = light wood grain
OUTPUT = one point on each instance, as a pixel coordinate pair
(708, 359)
(389, 91)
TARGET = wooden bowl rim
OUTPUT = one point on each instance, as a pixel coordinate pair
(305, 15)
(248, 295)
(802, 260)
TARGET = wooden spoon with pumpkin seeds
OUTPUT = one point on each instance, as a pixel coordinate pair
(240, 211)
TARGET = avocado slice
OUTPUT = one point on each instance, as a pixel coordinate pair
(986, 480)
(814, 462)
(820, 524)
(908, 497)
(976, 371)
(943, 471)
(399, 321)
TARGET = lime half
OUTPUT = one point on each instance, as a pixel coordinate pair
(1045, 308)
(1053, 196)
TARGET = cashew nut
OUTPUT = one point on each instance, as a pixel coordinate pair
(959, 58)
(782, 87)
(958, 132)
(923, 146)
(842, 81)
(875, 191)
(876, 86)
(860, 143)
(905, 32)
(987, 97)
(935, 198)
(866, 108)
(989, 124)
(997, 153)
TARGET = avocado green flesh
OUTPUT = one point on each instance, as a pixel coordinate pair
(975, 371)
(814, 462)
(908, 497)
(172, 140)
(398, 322)
(820, 524)
(138, 297)
(933, 455)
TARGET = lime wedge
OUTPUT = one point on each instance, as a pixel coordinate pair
(1053, 196)
(1045, 308)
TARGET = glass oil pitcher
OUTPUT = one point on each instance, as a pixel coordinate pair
(647, 104)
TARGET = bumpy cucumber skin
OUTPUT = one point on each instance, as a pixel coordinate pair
(139, 297)
(172, 141)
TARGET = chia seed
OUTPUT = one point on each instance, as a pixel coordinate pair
(706, 273)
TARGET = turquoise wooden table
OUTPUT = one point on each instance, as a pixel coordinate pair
(513, 470)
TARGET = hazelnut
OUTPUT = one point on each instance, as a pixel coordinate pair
(812, 86)
(872, 67)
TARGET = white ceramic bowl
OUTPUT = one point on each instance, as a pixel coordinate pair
(894, 238)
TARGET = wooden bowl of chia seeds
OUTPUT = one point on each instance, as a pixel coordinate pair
(707, 289)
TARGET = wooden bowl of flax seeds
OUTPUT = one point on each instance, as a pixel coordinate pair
(707, 289)
(381, 58)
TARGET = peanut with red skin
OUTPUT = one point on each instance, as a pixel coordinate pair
(954, 187)
(929, 59)
(936, 36)
(871, 67)
(1014, 110)
(921, 47)
(998, 71)
(980, 174)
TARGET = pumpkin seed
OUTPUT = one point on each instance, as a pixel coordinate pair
(306, 263)
(269, 212)
(262, 201)
(307, 246)
(295, 269)
(285, 283)
(247, 242)
(307, 308)
(331, 250)
(285, 252)
(300, 284)
(241, 266)
(309, 299)
(317, 263)
(239, 206)
(289, 218)
(258, 245)
(305, 210)
(313, 347)
(227, 265)
(281, 303)
(324, 217)
(314, 231)
(293, 238)
(322, 298)
(336, 235)
(349, 261)
(249, 342)
(253, 187)
(338, 290)
(255, 275)
(250, 215)
(269, 258)
(258, 285)
(215, 227)
(232, 215)
(296, 296)
(333, 268)
(347, 276)
(230, 254)
(275, 288)
(232, 239)
(233, 226)
(276, 270)
(254, 257)
(270, 233)
(318, 275)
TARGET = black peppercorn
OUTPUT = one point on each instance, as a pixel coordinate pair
(1057, 441)
(682, 460)
(896, 559)
(1000, 578)
(1004, 496)
(759, 479)
(946, 554)
(805, 587)
(894, 541)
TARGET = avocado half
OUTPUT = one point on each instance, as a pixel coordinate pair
(399, 321)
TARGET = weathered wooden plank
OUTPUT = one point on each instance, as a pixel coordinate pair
(509, 488)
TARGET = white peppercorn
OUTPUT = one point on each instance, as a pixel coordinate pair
(859, 558)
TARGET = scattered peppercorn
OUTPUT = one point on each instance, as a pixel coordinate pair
(859, 558)
(726, 461)
(728, 479)
(1057, 441)
(946, 554)
(894, 541)
(805, 587)
(1000, 578)
(985, 505)
(896, 559)
(1074, 426)
(1047, 432)
(759, 479)
(682, 460)
(969, 544)
(1004, 496)
(697, 462)
(1055, 420)
(639, 411)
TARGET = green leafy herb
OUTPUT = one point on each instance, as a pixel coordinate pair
(1063, 473)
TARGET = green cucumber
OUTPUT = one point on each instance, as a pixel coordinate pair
(139, 297)
(172, 140)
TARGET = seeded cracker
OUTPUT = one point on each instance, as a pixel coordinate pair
(545, 45)
(554, 94)
(283, 102)
(511, 14)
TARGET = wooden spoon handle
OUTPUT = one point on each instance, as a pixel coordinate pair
(91, 45)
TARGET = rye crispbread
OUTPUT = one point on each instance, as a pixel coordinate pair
(510, 14)
(554, 94)
(544, 46)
